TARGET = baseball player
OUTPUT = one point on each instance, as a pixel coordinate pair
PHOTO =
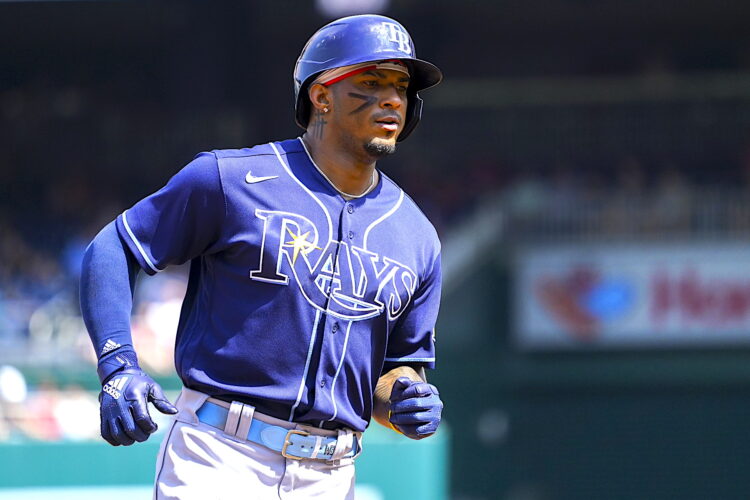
(313, 291)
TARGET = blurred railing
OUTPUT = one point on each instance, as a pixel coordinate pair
(689, 214)
(592, 128)
(658, 87)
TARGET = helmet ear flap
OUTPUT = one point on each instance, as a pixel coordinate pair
(303, 106)
(413, 115)
(303, 112)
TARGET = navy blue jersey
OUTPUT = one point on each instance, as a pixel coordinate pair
(297, 300)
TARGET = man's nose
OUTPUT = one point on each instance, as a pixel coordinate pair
(391, 98)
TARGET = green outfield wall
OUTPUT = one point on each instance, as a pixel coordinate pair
(391, 467)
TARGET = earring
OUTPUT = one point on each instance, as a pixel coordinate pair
(325, 110)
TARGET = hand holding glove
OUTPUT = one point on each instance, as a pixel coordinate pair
(124, 407)
(415, 408)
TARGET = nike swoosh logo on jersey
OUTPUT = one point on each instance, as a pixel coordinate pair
(251, 179)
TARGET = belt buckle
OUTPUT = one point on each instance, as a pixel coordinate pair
(287, 442)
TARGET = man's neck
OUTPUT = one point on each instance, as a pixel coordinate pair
(349, 172)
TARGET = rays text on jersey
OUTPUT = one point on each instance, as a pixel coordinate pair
(341, 279)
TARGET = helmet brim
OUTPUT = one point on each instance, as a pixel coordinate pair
(423, 74)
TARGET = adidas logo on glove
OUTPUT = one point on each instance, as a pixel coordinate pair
(114, 386)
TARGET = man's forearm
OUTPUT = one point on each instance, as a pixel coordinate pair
(385, 386)
(107, 283)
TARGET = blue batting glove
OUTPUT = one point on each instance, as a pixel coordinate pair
(124, 407)
(415, 408)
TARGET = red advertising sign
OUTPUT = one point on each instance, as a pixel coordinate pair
(633, 295)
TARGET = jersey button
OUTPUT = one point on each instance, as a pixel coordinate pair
(351, 235)
(335, 327)
(350, 208)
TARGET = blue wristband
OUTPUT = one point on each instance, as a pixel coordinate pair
(113, 362)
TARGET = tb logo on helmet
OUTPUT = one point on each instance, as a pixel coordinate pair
(399, 35)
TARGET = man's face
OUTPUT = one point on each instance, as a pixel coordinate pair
(369, 109)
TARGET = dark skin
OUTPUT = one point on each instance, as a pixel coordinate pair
(358, 109)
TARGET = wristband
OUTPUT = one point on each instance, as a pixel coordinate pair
(113, 362)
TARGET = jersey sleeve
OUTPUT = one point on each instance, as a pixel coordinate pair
(180, 221)
(413, 339)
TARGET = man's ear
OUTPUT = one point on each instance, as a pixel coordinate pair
(320, 97)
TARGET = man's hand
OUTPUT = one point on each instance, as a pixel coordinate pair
(415, 408)
(124, 407)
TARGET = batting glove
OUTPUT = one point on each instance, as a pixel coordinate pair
(415, 408)
(124, 407)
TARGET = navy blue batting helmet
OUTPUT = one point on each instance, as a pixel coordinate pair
(359, 39)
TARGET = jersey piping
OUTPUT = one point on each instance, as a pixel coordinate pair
(336, 375)
(307, 190)
(137, 243)
(307, 365)
(383, 217)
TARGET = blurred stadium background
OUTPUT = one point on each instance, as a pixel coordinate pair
(586, 162)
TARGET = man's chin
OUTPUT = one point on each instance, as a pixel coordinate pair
(378, 148)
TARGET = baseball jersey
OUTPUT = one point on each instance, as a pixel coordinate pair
(297, 299)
